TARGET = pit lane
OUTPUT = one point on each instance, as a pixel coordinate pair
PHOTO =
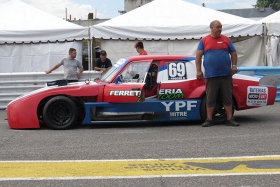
(148, 150)
(82, 169)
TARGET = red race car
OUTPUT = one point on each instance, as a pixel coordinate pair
(146, 88)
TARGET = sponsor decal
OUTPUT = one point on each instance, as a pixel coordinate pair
(132, 81)
(257, 96)
(120, 62)
(131, 93)
(178, 110)
(51, 83)
(170, 94)
(177, 71)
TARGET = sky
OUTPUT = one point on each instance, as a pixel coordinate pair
(106, 9)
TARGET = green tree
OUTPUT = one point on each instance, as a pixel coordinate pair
(274, 4)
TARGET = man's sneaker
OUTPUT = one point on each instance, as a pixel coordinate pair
(207, 123)
(232, 122)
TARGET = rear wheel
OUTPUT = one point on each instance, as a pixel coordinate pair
(60, 112)
(219, 114)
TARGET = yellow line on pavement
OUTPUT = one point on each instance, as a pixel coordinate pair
(131, 168)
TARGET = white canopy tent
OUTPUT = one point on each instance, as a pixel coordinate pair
(174, 27)
(32, 40)
(272, 23)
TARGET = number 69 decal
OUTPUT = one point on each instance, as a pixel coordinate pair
(177, 71)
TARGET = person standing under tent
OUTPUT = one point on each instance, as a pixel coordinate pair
(220, 61)
(70, 65)
(139, 46)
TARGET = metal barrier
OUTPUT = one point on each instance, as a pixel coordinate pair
(13, 85)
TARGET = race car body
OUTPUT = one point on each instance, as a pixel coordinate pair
(136, 89)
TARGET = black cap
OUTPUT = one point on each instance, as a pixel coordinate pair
(103, 53)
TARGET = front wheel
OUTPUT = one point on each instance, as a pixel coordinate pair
(219, 113)
(60, 112)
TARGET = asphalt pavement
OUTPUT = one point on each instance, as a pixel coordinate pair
(258, 135)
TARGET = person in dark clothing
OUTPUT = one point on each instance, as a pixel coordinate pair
(103, 63)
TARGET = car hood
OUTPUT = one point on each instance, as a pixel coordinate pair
(72, 89)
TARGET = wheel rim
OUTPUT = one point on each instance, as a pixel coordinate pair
(61, 113)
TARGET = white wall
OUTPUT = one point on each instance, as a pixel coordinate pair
(251, 52)
(35, 57)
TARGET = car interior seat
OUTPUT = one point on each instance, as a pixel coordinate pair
(151, 81)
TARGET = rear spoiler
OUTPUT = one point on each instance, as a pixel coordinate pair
(270, 80)
(266, 80)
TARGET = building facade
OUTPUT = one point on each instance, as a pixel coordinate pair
(132, 4)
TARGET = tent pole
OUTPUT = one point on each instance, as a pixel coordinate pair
(89, 57)
(265, 43)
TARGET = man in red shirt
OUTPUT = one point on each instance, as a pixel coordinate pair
(220, 63)
(140, 48)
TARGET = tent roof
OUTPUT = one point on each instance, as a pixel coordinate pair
(176, 19)
(272, 18)
(20, 22)
(273, 23)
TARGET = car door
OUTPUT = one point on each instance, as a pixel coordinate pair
(177, 79)
(129, 85)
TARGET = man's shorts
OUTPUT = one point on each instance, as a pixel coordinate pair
(221, 86)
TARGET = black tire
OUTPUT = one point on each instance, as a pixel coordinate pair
(219, 114)
(60, 113)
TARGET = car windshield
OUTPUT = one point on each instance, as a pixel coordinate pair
(110, 74)
(135, 72)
